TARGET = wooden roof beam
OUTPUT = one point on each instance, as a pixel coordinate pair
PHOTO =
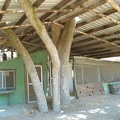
(97, 29)
(105, 54)
(72, 6)
(89, 40)
(5, 6)
(114, 4)
(84, 10)
(58, 6)
(23, 18)
(105, 17)
(111, 11)
(46, 15)
(95, 50)
(94, 45)
(37, 10)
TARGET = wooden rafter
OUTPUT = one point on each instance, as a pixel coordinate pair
(95, 51)
(84, 10)
(72, 6)
(58, 6)
(97, 38)
(114, 4)
(106, 54)
(38, 11)
(45, 16)
(5, 6)
(23, 18)
(111, 11)
(90, 31)
(95, 45)
(88, 40)
(106, 17)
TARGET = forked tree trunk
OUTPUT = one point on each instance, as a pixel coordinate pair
(64, 46)
(40, 29)
(15, 42)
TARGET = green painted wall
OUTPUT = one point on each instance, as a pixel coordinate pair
(18, 96)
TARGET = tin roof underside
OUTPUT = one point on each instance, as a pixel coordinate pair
(90, 23)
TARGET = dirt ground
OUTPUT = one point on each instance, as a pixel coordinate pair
(105, 107)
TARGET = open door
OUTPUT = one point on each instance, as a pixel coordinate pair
(30, 91)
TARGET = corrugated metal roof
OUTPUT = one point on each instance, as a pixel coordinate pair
(90, 22)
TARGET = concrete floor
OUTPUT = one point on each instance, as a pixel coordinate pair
(15, 110)
(104, 107)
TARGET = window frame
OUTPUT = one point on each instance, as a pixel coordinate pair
(3, 81)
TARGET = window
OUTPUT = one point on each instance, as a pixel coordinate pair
(7, 79)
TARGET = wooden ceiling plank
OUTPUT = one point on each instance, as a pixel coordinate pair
(5, 6)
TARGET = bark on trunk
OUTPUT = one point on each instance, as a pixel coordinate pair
(15, 42)
(56, 32)
(63, 47)
(40, 28)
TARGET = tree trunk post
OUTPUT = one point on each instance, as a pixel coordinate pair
(40, 29)
(63, 46)
(15, 42)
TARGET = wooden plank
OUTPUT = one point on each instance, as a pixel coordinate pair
(90, 89)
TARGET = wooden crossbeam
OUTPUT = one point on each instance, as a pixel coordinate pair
(111, 11)
(92, 36)
(23, 18)
(94, 45)
(5, 6)
(38, 11)
(15, 26)
(114, 4)
(58, 6)
(105, 16)
(88, 40)
(73, 6)
(84, 10)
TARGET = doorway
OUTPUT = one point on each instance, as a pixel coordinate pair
(30, 91)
